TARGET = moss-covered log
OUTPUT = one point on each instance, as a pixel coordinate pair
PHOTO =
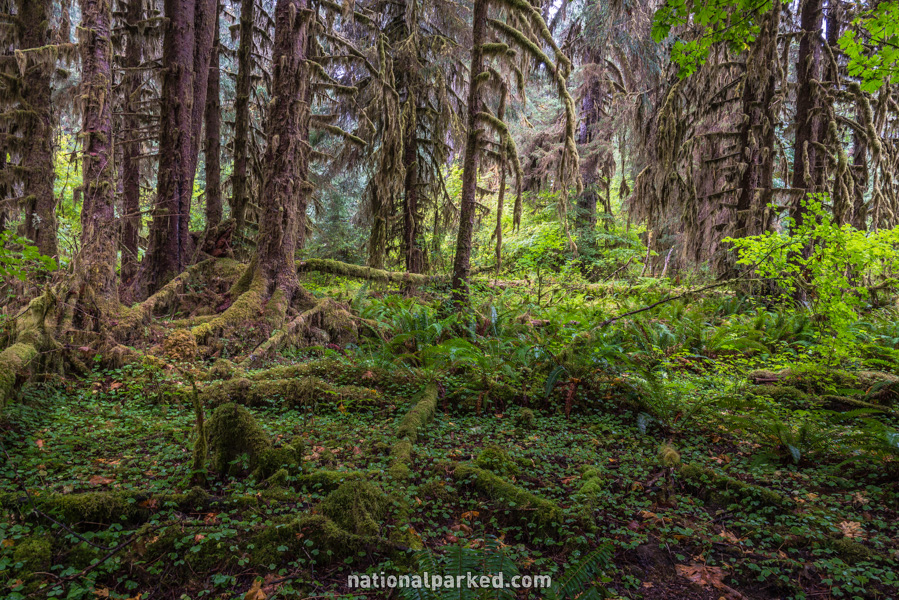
(527, 507)
(420, 415)
(32, 336)
(334, 267)
(302, 392)
(708, 484)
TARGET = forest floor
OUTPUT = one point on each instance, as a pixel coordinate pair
(706, 449)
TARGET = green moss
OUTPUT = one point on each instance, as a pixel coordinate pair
(35, 553)
(420, 415)
(525, 506)
(718, 487)
(222, 369)
(272, 460)
(296, 393)
(526, 420)
(180, 346)
(497, 460)
(401, 455)
(309, 535)
(232, 431)
(356, 506)
(783, 394)
(851, 551)
(435, 489)
(327, 481)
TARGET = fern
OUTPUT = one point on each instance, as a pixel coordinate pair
(580, 580)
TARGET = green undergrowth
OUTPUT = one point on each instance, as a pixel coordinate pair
(717, 433)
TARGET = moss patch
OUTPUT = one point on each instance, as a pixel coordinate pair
(356, 506)
(421, 413)
(712, 485)
(232, 431)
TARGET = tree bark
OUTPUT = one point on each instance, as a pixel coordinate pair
(37, 151)
(186, 53)
(212, 149)
(586, 201)
(462, 260)
(859, 217)
(411, 216)
(95, 263)
(807, 172)
(131, 219)
(758, 129)
(239, 183)
(169, 249)
(285, 189)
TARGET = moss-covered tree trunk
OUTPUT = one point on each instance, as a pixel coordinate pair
(806, 168)
(33, 21)
(169, 244)
(586, 201)
(240, 151)
(468, 202)
(758, 128)
(131, 146)
(95, 262)
(412, 249)
(859, 218)
(212, 147)
(187, 48)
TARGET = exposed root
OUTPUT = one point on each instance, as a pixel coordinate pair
(33, 327)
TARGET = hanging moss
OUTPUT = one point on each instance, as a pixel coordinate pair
(420, 414)
(356, 506)
(524, 506)
(231, 432)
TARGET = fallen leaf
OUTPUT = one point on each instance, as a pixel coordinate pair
(40, 443)
(852, 529)
(705, 576)
(100, 480)
(255, 592)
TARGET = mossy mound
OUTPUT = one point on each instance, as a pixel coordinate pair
(356, 506)
(787, 395)
(180, 346)
(232, 431)
(34, 553)
(222, 369)
(326, 481)
(545, 515)
(525, 419)
(285, 542)
(272, 460)
(496, 460)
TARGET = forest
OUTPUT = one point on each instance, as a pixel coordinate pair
(432, 299)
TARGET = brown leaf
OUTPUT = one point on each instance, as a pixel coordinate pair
(100, 480)
(705, 576)
(255, 592)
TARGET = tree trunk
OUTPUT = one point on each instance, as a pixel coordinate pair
(239, 184)
(411, 226)
(859, 217)
(37, 151)
(758, 128)
(131, 219)
(186, 52)
(169, 244)
(462, 260)
(95, 263)
(212, 149)
(285, 190)
(807, 172)
(586, 202)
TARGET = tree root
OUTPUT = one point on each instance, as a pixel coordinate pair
(31, 338)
